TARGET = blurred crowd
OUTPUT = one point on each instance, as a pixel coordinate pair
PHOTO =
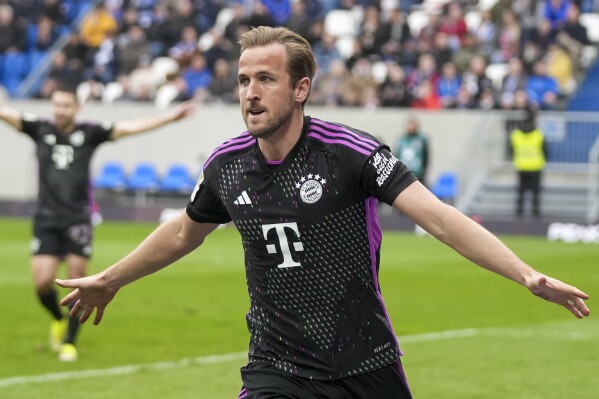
(385, 53)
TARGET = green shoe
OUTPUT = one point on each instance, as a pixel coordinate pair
(58, 329)
(68, 353)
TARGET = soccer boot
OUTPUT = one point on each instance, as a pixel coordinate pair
(68, 353)
(58, 329)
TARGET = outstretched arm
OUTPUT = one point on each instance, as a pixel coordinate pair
(481, 247)
(11, 116)
(127, 128)
(168, 243)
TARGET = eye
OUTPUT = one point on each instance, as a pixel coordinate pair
(266, 79)
(243, 81)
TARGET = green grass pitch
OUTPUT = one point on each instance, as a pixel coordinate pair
(466, 333)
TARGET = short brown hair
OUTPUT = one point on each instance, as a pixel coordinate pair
(300, 58)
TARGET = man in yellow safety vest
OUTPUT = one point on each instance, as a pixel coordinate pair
(529, 154)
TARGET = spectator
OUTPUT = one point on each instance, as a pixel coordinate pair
(327, 87)
(413, 150)
(260, 15)
(186, 47)
(131, 49)
(573, 36)
(556, 11)
(453, 25)
(372, 34)
(394, 91)
(508, 38)
(448, 86)
(325, 52)
(45, 36)
(486, 34)
(441, 50)
(197, 78)
(425, 96)
(464, 55)
(538, 42)
(426, 71)
(62, 73)
(299, 21)
(97, 26)
(280, 10)
(514, 81)
(13, 38)
(223, 86)
(542, 89)
(464, 99)
(396, 27)
(559, 66)
(163, 32)
(475, 79)
(55, 11)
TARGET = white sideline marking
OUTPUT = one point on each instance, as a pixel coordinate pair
(120, 370)
(183, 363)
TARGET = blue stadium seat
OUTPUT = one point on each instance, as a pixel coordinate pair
(446, 186)
(112, 177)
(144, 178)
(16, 67)
(177, 179)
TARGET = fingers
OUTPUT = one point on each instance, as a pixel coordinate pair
(99, 315)
(577, 307)
(73, 295)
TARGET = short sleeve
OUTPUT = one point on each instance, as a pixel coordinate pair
(205, 206)
(30, 124)
(100, 132)
(385, 177)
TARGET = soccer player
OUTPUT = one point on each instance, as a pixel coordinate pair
(62, 227)
(303, 192)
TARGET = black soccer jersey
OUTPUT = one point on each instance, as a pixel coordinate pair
(311, 239)
(64, 182)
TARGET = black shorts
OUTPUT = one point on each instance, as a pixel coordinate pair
(264, 381)
(55, 235)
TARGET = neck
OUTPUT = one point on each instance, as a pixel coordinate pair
(277, 146)
(68, 128)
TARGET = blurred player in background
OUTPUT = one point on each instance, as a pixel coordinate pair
(62, 227)
(303, 193)
(413, 149)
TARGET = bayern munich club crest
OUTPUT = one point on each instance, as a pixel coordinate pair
(310, 188)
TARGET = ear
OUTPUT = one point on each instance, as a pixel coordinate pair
(302, 89)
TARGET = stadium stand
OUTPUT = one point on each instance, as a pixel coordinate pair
(112, 45)
(144, 178)
(446, 187)
(111, 177)
(177, 180)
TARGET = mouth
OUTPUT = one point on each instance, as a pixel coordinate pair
(255, 111)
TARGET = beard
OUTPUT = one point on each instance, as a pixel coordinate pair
(273, 123)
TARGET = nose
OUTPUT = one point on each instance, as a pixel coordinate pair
(252, 92)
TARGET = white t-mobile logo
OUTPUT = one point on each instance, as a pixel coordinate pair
(283, 242)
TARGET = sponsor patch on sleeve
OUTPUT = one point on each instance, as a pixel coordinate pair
(383, 164)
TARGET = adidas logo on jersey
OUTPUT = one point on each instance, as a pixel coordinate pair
(243, 199)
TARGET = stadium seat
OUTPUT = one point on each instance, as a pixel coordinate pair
(16, 67)
(113, 91)
(446, 187)
(144, 178)
(112, 177)
(496, 72)
(162, 67)
(472, 19)
(177, 179)
(340, 23)
(591, 22)
(417, 20)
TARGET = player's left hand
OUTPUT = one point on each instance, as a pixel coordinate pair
(561, 293)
